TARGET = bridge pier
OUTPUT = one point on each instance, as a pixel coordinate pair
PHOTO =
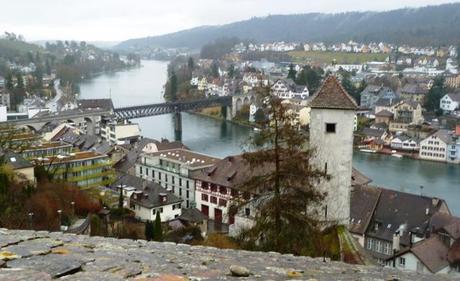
(226, 112)
(178, 126)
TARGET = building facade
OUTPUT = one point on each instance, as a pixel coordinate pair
(439, 146)
(173, 169)
(85, 169)
(450, 103)
(331, 135)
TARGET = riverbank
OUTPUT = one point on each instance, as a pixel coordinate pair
(218, 116)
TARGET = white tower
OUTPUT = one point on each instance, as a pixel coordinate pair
(331, 136)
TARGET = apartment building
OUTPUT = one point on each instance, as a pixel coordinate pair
(85, 169)
(172, 169)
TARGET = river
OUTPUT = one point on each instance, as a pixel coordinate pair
(219, 138)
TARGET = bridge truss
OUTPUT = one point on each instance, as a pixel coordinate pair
(132, 112)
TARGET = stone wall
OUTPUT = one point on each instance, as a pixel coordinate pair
(39, 256)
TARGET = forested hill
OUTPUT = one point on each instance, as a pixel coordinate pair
(431, 25)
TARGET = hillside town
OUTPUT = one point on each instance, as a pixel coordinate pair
(82, 166)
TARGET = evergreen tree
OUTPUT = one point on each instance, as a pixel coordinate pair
(292, 74)
(157, 230)
(173, 86)
(437, 91)
(20, 82)
(149, 230)
(9, 81)
(215, 69)
(310, 77)
(96, 226)
(231, 71)
(121, 200)
(191, 64)
(286, 220)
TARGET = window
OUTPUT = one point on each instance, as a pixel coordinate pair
(147, 172)
(222, 202)
(330, 127)
(213, 187)
(247, 212)
(204, 197)
(188, 184)
(187, 195)
(213, 200)
(223, 190)
(204, 185)
(161, 210)
(180, 182)
(180, 191)
(159, 175)
(140, 169)
(402, 262)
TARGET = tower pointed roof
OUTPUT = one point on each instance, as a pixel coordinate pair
(332, 95)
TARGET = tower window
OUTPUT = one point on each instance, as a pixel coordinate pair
(330, 127)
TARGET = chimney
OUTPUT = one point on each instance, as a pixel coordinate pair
(396, 241)
(162, 197)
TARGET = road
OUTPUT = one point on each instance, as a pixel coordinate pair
(53, 104)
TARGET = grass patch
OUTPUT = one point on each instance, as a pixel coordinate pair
(340, 57)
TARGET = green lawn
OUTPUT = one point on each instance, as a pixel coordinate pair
(340, 57)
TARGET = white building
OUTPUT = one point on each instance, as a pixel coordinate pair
(120, 133)
(288, 89)
(403, 142)
(146, 199)
(435, 147)
(172, 169)
(331, 135)
(450, 102)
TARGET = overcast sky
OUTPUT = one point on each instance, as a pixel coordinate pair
(116, 20)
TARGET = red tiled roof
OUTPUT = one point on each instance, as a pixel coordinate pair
(333, 96)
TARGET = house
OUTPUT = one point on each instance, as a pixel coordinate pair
(439, 253)
(427, 256)
(217, 185)
(288, 89)
(22, 167)
(450, 102)
(387, 104)
(152, 199)
(46, 149)
(374, 138)
(441, 146)
(404, 142)
(5, 98)
(453, 81)
(406, 113)
(173, 170)
(415, 92)
(120, 132)
(379, 215)
(384, 116)
(372, 93)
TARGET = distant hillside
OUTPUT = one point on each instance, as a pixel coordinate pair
(432, 25)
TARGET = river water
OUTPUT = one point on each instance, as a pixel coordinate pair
(219, 138)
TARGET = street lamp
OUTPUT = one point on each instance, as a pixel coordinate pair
(73, 208)
(31, 220)
(60, 217)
